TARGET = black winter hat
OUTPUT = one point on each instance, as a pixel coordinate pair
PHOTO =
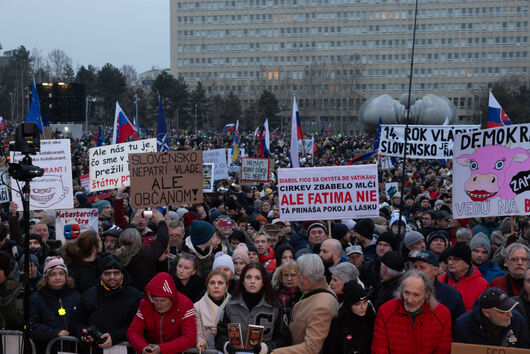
(111, 262)
(365, 228)
(353, 292)
(393, 260)
(462, 251)
(338, 230)
(388, 237)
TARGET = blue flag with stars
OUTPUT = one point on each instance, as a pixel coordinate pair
(377, 136)
(34, 115)
(162, 141)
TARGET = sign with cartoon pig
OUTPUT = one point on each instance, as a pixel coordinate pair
(491, 172)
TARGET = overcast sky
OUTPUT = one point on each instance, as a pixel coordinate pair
(133, 32)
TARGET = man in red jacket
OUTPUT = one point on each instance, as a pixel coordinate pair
(516, 260)
(165, 318)
(415, 322)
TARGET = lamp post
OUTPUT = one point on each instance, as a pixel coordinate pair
(136, 105)
(195, 118)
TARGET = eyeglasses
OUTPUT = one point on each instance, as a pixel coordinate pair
(519, 259)
(453, 259)
(289, 275)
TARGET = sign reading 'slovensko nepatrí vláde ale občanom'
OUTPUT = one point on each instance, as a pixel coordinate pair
(328, 193)
(491, 172)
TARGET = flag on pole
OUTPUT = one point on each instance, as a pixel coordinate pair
(296, 135)
(235, 146)
(99, 138)
(362, 157)
(274, 133)
(256, 132)
(228, 127)
(123, 128)
(496, 115)
(34, 115)
(162, 141)
(264, 140)
(314, 145)
(377, 135)
(329, 130)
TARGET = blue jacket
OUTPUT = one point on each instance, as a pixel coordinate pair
(450, 298)
(469, 329)
(490, 270)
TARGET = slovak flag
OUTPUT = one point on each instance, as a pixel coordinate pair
(496, 115)
(123, 128)
(264, 140)
(296, 135)
(2, 123)
(235, 145)
(228, 127)
(274, 133)
(256, 132)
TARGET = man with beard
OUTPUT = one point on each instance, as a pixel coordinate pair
(492, 322)
(109, 306)
(480, 256)
(516, 260)
(330, 252)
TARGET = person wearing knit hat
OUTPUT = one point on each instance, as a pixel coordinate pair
(480, 256)
(414, 241)
(198, 244)
(386, 242)
(349, 223)
(240, 258)
(201, 232)
(316, 233)
(214, 214)
(392, 265)
(253, 255)
(363, 234)
(111, 238)
(225, 263)
(397, 226)
(437, 242)
(340, 232)
(52, 263)
(463, 275)
(100, 205)
(35, 270)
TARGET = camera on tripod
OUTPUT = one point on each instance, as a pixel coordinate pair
(27, 142)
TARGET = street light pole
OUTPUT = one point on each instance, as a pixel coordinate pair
(136, 104)
(195, 118)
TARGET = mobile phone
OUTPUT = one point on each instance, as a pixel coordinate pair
(147, 213)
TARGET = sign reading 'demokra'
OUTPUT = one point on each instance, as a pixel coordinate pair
(254, 170)
(109, 164)
(166, 178)
(327, 193)
(423, 142)
(54, 189)
(70, 223)
(491, 172)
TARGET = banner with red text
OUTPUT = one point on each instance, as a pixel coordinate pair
(327, 193)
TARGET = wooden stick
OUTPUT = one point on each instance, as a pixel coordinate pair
(329, 229)
(511, 222)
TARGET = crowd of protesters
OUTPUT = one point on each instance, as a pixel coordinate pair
(411, 280)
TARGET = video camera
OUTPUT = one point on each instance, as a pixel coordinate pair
(27, 142)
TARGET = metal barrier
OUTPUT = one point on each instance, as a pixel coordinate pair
(13, 342)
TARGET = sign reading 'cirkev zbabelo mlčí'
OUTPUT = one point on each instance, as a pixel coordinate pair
(166, 178)
(328, 193)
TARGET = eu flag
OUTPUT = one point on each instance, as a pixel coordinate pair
(162, 141)
(34, 115)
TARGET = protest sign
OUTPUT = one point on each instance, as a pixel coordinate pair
(109, 164)
(254, 170)
(207, 177)
(166, 178)
(491, 172)
(423, 142)
(327, 193)
(391, 188)
(69, 223)
(54, 189)
(229, 153)
(84, 180)
(217, 157)
(4, 183)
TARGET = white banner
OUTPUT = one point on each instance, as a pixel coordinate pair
(491, 172)
(69, 223)
(254, 170)
(327, 193)
(217, 157)
(54, 189)
(208, 169)
(109, 164)
(423, 141)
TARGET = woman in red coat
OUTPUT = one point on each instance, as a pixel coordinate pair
(414, 322)
(165, 321)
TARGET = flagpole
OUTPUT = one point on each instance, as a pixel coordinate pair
(403, 169)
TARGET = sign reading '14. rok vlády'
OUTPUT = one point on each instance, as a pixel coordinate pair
(327, 193)
(492, 172)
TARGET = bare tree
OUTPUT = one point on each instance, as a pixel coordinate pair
(131, 76)
(57, 60)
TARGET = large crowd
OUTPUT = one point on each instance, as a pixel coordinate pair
(413, 280)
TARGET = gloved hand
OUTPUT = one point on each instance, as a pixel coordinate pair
(229, 348)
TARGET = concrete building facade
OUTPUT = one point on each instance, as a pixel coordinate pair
(334, 54)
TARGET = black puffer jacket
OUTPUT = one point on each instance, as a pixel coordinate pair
(86, 274)
(111, 311)
(46, 320)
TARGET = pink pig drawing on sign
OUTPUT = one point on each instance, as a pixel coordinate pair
(492, 170)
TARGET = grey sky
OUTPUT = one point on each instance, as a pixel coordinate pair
(133, 32)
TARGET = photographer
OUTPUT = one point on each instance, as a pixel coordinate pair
(107, 309)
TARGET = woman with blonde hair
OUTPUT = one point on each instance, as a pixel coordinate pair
(285, 283)
(210, 307)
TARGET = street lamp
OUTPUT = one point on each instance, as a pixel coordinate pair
(195, 117)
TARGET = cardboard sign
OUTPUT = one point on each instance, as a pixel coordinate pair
(166, 178)
(461, 348)
(207, 177)
(254, 170)
(423, 141)
(391, 188)
(218, 158)
(54, 189)
(491, 172)
(328, 193)
(109, 164)
(69, 223)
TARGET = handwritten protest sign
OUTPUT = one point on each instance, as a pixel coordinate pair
(109, 164)
(69, 223)
(84, 180)
(423, 142)
(217, 157)
(54, 189)
(166, 178)
(5, 181)
(207, 177)
(327, 193)
(491, 172)
(254, 170)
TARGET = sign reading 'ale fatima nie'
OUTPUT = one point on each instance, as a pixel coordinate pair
(166, 178)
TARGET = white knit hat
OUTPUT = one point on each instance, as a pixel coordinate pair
(222, 259)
